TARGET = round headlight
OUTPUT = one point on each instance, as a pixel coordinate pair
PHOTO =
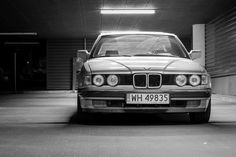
(194, 80)
(112, 80)
(98, 80)
(181, 80)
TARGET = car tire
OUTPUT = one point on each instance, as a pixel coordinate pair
(201, 117)
(81, 116)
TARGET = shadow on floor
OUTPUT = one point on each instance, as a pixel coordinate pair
(129, 119)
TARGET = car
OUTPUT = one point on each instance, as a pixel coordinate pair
(143, 72)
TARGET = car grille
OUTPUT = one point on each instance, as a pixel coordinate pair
(147, 80)
(154, 80)
(140, 81)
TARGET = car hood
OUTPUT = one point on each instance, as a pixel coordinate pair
(133, 64)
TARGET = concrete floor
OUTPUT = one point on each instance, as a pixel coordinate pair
(45, 125)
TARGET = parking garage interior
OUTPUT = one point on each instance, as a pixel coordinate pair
(42, 38)
(39, 42)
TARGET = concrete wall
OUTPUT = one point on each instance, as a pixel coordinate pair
(224, 85)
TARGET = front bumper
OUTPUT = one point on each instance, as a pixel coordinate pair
(114, 101)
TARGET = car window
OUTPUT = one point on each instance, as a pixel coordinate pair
(138, 45)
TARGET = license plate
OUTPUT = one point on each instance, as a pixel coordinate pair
(141, 98)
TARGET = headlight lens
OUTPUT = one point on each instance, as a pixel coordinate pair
(205, 79)
(98, 80)
(181, 80)
(194, 80)
(112, 80)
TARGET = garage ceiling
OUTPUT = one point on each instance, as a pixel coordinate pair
(82, 18)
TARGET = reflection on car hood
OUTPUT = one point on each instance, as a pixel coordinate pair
(132, 64)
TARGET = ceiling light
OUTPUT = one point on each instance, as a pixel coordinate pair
(21, 43)
(19, 33)
(127, 11)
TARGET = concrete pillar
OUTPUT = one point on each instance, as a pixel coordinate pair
(199, 41)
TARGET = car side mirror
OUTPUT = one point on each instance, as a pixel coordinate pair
(82, 56)
(195, 54)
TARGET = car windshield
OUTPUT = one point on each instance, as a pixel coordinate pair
(139, 45)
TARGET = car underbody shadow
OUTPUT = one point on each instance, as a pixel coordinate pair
(129, 119)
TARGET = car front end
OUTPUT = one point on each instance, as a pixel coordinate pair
(145, 91)
(143, 83)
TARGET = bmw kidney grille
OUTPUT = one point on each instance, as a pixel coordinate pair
(147, 80)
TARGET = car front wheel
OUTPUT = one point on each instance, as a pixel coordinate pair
(81, 116)
(201, 117)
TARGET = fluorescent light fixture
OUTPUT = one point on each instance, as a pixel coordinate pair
(119, 31)
(18, 33)
(127, 11)
(21, 43)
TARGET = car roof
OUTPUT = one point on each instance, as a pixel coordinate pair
(135, 32)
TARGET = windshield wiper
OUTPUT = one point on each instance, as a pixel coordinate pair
(164, 55)
(168, 55)
(147, 54)
(125, 55)
(115, 56)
